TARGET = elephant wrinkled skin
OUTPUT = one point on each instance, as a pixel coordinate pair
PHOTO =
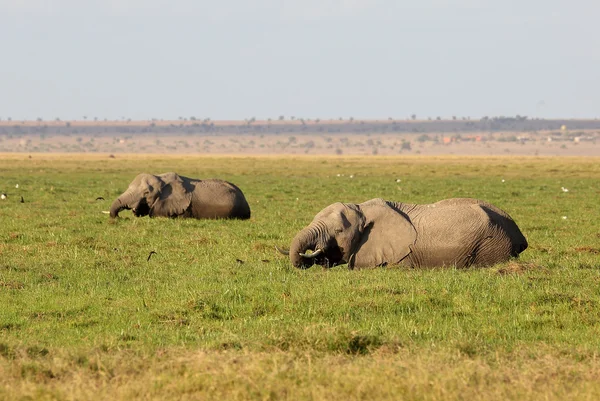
(172, 195)
(457, 232)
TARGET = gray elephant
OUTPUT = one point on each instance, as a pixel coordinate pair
(171, 195)
(454, 232)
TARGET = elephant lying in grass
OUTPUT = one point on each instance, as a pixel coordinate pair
(171, 195)
(457, 232)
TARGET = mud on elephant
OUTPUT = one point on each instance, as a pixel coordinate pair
(454, 232)
(172, 195)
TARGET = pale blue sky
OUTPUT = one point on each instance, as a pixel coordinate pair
(234, 59)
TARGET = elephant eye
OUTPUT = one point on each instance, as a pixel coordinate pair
(338, 230)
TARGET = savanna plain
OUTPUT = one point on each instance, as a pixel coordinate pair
(216, 313)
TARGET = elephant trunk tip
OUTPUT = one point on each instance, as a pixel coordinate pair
(115, 208)
(304, 241)
(283, 251)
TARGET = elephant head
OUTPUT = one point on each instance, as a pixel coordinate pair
(155, 195)
(366, 234)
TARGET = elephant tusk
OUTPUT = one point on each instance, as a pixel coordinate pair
(311, 255)
(282, 251)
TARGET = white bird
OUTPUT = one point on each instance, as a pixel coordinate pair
(3, 196)
(398, 180)
(564, 217)
(17, 186)
(503, 181)
(351, 175)
(564, 189)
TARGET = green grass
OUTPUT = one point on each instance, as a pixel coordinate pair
(216, 312)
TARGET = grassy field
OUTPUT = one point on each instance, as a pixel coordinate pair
(216, 312)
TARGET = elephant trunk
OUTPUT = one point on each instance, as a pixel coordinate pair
(116, 207)
(122, 202)
(303, 241)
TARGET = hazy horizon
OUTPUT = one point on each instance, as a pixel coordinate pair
(234, 60)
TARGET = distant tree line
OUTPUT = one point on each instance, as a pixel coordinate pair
(351, 125)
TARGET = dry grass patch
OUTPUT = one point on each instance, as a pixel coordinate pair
(235, 375)
(202, 241)
(588, 249)
(519, 267)
(13, 285)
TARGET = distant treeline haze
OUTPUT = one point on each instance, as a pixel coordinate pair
(253, 126)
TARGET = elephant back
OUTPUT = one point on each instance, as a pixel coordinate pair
(215, 198)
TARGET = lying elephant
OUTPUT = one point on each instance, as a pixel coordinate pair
(454, 232)
(171, 195)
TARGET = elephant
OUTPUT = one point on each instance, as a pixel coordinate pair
(458, 232)
(172, 195)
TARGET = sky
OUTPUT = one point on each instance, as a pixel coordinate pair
(238, 59)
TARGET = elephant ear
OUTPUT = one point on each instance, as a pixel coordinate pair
(174, 197)
(386, 237)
